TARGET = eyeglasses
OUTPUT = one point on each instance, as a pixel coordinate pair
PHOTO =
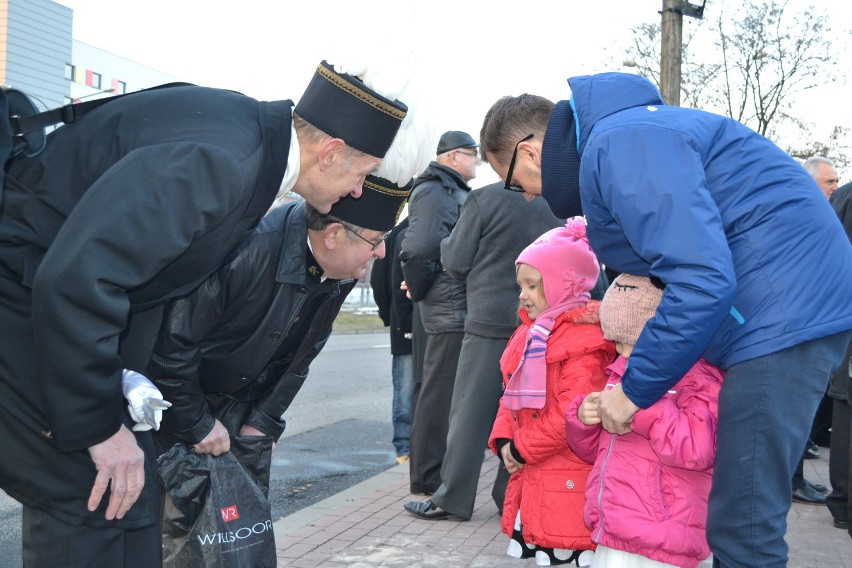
(373, 245)
(509, 186)
(474, 155)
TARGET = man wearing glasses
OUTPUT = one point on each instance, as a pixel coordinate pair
(739, 233)
(438, 195)
(232, 355)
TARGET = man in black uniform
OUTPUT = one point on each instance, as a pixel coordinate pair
(232, 355)
(135, 203)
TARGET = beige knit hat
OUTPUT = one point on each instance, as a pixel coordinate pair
(627, 305)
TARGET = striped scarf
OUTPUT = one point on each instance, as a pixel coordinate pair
(527, 387)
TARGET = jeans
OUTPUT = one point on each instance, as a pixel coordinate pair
(402, 371)
(766, 408)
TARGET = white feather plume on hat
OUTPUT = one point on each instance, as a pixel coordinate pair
(391, 74)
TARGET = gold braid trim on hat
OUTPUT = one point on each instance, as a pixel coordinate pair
(376, 103)
(387, 190)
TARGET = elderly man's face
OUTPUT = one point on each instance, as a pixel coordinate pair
(826, 178)
(352, 253)
(324, 183)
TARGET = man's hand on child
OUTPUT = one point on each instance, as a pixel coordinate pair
(589, 411)
(616, 411)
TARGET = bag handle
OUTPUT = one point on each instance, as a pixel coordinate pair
(22, 125)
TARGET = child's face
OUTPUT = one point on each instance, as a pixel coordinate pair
(624, 349)
(532, 290)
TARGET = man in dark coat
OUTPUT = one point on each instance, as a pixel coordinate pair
(133, 204)
(232, 355)
(439, 193)
(495, 225)
(839, 473)
(396, 311)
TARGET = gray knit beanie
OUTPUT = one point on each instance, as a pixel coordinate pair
(627, 305)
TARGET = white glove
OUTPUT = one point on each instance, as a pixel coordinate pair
(145, 401)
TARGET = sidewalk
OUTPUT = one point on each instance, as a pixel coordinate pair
(365, 527)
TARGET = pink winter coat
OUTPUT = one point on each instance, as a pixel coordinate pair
(550, 489)
(647, 493)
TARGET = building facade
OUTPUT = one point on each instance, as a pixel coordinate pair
(39, 56)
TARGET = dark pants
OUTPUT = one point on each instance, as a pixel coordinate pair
(476, 398)
(766, 408)
(838, 460)
(49, 542)
(431, 418)
(418, 354)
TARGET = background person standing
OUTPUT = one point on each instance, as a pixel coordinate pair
(433, 210)
(395, 310)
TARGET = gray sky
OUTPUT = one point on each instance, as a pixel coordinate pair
(466, 53)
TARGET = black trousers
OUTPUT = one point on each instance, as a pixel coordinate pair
(418, 354)
(430, 424)
(838, 460)
(47, 543)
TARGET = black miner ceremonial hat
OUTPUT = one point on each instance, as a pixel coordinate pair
(378, 208)
(342, 106)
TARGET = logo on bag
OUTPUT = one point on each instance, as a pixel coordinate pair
(230, 513)
(240, 534)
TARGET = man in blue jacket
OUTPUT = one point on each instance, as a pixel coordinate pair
(753, 259)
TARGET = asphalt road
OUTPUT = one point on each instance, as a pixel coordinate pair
(338, 433)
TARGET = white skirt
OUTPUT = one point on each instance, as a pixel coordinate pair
(606, 557)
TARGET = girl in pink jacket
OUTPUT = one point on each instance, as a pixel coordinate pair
(557, 353)
(646, 497)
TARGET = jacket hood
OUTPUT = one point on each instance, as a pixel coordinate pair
(594, 97)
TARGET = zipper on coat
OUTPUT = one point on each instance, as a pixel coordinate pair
(600, 486)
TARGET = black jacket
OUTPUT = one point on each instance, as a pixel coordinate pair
(841, 379)
(134, 204)
(395, 309)
(433, 211)
(225, 337)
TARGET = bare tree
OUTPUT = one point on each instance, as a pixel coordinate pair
(750, 60)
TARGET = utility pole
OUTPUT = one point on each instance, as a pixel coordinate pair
(671, 49)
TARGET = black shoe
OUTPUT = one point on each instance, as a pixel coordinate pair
(817, 487)
(811, 451)
(807, 494)
(841, 524)
(430, 511)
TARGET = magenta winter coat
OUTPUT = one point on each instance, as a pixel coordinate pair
(647, 493)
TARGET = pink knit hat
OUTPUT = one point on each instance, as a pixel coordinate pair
(567, 264)
(627, 305)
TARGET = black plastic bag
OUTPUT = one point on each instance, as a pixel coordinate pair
(217, 511)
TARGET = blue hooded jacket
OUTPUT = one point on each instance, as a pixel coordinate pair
(752, 255)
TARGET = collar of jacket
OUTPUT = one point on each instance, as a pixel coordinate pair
(289, 221)
(448, 177)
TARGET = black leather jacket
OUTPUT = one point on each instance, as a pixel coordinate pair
(224, 338)
(439, 193)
